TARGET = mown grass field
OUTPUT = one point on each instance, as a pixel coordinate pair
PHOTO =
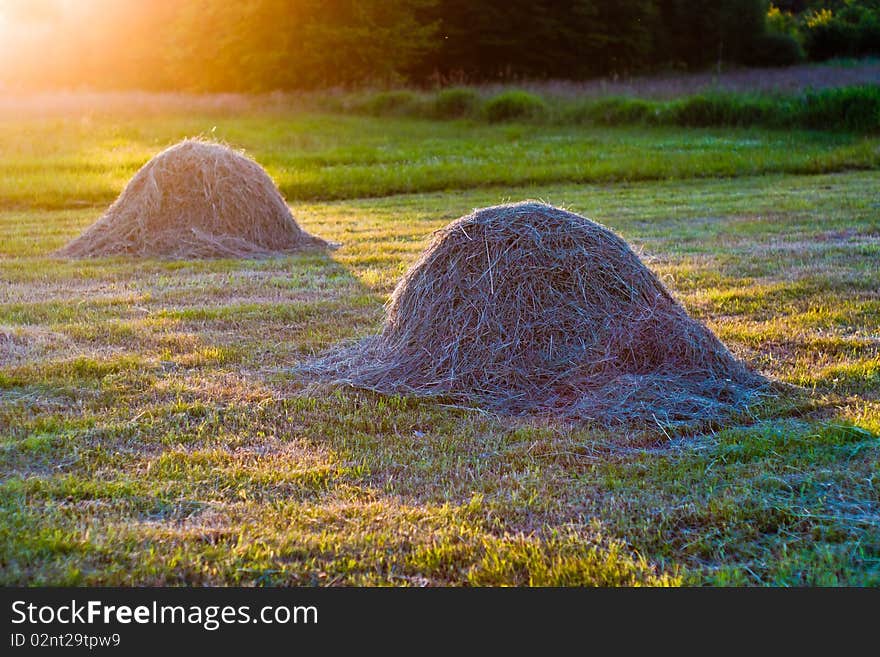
(151, 432)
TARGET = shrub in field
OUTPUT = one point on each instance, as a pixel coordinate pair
(699, 111)
(529, 308)
(514, 105)
(722, 110)
(455, 103)
(620, 111)
(847, 108)
(392, 103)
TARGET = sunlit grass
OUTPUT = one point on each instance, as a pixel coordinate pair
(150, 431)
(68, 163)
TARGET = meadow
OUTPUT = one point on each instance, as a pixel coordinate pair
(151, 431)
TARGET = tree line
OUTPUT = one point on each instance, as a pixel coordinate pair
(263, 45)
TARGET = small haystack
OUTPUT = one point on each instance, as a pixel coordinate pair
(195, 199)
(528, 308)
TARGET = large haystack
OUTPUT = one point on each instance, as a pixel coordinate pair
(529, 308)
(195, 199)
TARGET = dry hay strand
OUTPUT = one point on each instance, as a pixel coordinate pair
(196, 199)
(527, 308)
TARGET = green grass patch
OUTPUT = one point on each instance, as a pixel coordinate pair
(514, 106)
(455, 103)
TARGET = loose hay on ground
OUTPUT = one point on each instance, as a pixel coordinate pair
(195, 199)
(527, 308)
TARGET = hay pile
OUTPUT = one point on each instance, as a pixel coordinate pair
(528, 308)
(195, 199)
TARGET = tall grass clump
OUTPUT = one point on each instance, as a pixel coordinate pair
(514, 105)
(455, 103)
(855, 109)
(846, 108)
(708, 110)
(391, 103)
(611, 112)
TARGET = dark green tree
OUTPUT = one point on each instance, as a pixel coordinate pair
(263, 45)
(719, 32)
(538, 38)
